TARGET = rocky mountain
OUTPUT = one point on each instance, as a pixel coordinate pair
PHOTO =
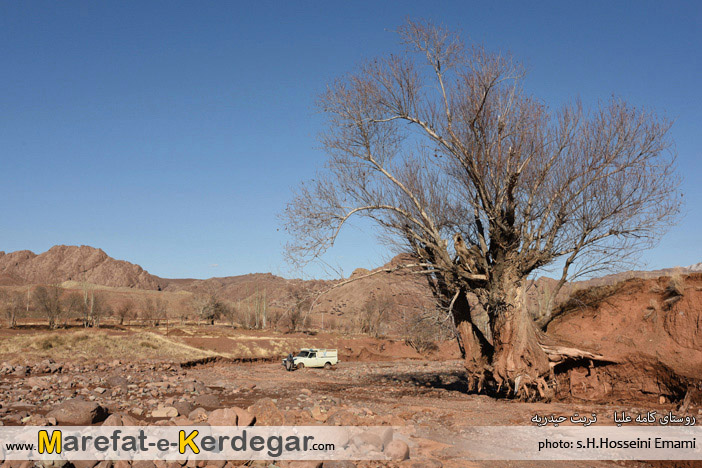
(72, 263)
(370, 291)
(339, 302)
(275, 290)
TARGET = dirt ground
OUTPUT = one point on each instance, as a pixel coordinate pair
(378, 382)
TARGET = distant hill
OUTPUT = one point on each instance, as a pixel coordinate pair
(72, 263)
(341, 301)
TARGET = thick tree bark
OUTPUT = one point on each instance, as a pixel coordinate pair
(475, 349)
(518, 361)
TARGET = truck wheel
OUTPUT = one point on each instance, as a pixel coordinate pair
(327, 365)
(301, 366)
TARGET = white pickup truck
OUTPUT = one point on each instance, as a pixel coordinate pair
(311, 357)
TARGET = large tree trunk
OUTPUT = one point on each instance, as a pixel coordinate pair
(518, 361)
(476, 350)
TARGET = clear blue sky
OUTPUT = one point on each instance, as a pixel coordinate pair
(170, 134)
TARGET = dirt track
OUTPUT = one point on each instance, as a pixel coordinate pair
(137, 373)
(426, 394)
(420, 393)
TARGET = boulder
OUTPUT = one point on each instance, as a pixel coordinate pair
(267, 413)
(385, 434)
(368, 439)
(143, 464)
(52, 463)
(40, 382)
(113, 420)
(36, 420)
(78, 413)
(183, 407)
(198, 415)
(183, 421)
(223, 417)
(216, 463)
(397, 450)
(342, 417)
(244, 417)
(84, 463)
(207, 400)
(164, 412)
(114, 381)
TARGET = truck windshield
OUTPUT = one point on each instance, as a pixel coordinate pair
(302, 354)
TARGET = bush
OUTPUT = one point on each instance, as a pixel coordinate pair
(420, 332)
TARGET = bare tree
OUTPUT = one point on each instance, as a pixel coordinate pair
(88, 304)
(419, 332)
(99, 308)
(258, 306)
(48, 302)
(125, 312)
(230, 312)
(73, 307)
(301, 300)
(442, 148)
(374, 315)
(92, 306)
(206, 307)
(13, 304)
(154, 310)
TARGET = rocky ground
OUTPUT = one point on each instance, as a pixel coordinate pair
(415, 393)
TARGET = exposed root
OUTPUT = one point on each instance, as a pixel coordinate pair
(557, 354)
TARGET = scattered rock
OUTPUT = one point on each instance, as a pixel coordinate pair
(143, 464)
(84, 463)
(113, 420)
(36, 420)
(303, 464)
(40, 382)
(215, 464)
(52, 463)
(183, 407)
(198, 415)
(338, 464)
(164, 412)
(342, 417)
(207, 400)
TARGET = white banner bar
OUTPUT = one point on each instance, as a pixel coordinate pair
(348, 443)
(194, 443)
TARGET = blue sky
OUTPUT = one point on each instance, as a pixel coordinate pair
(170, 134)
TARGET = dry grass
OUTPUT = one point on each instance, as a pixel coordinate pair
(185, 343)
(674, 292)
(676, 286)
(99, 345)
